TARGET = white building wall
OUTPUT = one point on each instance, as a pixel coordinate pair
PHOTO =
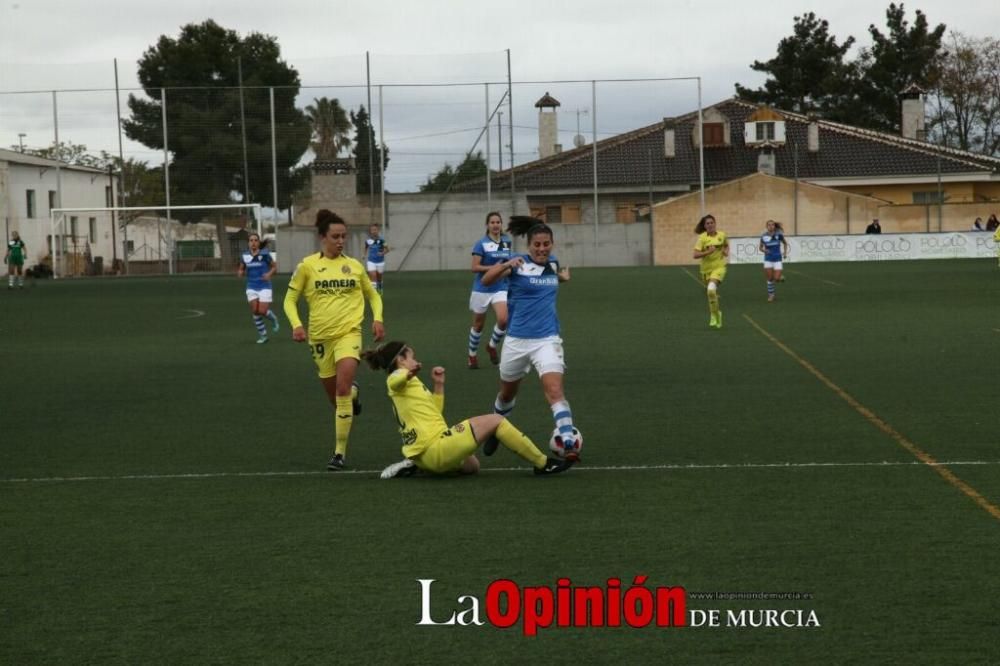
(80, 189)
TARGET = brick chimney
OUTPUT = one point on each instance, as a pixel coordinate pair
(914, 114)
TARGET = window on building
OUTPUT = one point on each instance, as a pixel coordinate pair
(624, 213)
(72, 225)
(571, 214)
(52, 199)
(63, 242)
(130, 247)
(553, 215)
(93, 229)
(765, 131)
(714, 134)
(30, 203)
(108, 196)
(929, 197)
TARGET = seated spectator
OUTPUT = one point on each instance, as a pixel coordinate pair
(978, 224)
(992, 224)
(874, 227)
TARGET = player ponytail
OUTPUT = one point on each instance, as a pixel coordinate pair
(700, 228)
(777, 225)
(529, 227)
(324, 218)
(384, 357)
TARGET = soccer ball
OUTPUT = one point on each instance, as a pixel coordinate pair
(556, 443)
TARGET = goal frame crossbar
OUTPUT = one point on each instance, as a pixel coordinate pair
(58, 215)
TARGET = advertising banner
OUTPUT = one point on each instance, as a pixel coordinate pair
(875, 247)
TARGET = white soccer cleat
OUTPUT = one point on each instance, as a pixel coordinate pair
(404, 467)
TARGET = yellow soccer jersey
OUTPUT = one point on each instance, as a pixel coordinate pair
(996, 236)
(335, 290)
(717, 259)
(418, 412)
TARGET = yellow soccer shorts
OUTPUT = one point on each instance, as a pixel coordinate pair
(717, 274)
(446, 453)
(326, 353)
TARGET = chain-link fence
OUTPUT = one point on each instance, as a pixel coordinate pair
(454, 130)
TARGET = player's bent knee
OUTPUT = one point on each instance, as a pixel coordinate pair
(470, 465)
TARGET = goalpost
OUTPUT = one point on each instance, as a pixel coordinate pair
(157, 236)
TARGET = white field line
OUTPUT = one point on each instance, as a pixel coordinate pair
(580, 468)
(806, 275)
(194, 314)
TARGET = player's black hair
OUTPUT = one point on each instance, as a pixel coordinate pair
(700, 228)
(529, 227)
(491, 214)
(263, 242)
(324, 218)
(384, 357)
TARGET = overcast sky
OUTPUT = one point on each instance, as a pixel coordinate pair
(70, 44)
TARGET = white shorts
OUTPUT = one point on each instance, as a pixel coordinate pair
(519, 355)
(776, 265)
(262, 295)
(480, 302)
(372, 267)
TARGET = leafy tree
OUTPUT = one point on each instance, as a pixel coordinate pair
(71, 153)
(330, 128)
(363, 132)
(141, 185)
(906, 55)
(200, 70)
(965, 103)
(808, 73)
(473, 166)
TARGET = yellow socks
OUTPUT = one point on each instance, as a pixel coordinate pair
(713, 302)
(518, 442)
(342, 422)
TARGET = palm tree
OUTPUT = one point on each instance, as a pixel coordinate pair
(330, 128)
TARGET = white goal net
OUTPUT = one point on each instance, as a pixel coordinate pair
(149, 240)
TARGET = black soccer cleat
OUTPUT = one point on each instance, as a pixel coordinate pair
(356, 400)
(554, 466)
(336, 463)
(490, 445)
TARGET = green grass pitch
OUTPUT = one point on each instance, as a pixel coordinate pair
(163, 497)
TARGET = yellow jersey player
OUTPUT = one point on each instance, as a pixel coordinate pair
(335, 287)
(428, 442)
(713, 250)
(996, 240)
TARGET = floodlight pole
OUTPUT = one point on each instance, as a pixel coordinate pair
(381, 161)
(122, 193)
(371, 163)
(274, 161)
(701, 151)
(510, 135)
(55, 124)
(593, 129)
(166, 181)
(489, 194)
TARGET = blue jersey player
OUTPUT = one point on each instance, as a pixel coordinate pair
(533, 336)
(492, 249)
(258, 265)
(774, 247)
(376, 250)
